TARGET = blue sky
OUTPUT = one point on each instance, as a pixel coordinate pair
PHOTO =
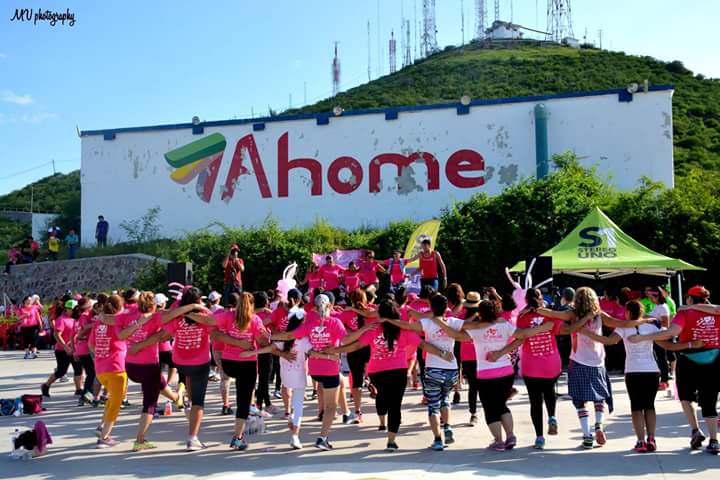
(137, 63)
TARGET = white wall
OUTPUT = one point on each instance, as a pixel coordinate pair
(122, 178)
(40, 224)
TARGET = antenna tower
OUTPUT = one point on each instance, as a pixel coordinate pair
(393, 58)
(405, 44)
(559, 20)
(462, 21)
(369, 59)
(480, 19)
(429, 40)
(497, 10)
(336, 72)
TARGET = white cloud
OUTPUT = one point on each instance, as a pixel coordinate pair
(11, 97)
(39, 117)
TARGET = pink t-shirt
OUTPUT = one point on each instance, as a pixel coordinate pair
(314, 280)
(539, 356)
(109, 349)
(396, 273)
(321, 334)
(192, 342)
(148, 355)
(279, 320)
(81, 343)
(65, 327)
(29, 316)
(331, 276)
(368, 271)
(697, 325)
(381, 358)
(226, 324)
(352, 280)
(467, 351)
(351, 321)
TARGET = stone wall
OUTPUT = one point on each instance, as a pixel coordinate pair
(49, 279)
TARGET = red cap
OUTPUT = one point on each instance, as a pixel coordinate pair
(698, 291)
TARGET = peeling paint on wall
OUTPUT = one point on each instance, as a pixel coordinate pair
(508, 174)
(489, 171)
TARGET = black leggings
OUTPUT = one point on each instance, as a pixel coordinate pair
(469, 370)
(642, 388)
(89, 366)
(63, 361)
(421, 365)
(539, 390)
(29, 336)
(357, 361)
(494, 393)
(661, 358)
(390, 386)
(264, 367)
(196, 379)
(244, 374)
(699, 382)
(276, 372)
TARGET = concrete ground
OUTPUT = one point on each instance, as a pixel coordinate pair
(357, 452)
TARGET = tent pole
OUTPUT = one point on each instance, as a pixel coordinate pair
(680, 292)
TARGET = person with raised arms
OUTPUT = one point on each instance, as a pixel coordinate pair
(430, 261)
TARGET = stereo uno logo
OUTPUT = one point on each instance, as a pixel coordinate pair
(597, 242)
(202, 158)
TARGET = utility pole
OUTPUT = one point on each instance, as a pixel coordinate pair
(600, 37)
(32, 197)
(53, 164)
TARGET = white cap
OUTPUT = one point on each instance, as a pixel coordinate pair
(214, 296)
(160, 298)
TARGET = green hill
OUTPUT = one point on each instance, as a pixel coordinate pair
(49, 194)
(527, 68)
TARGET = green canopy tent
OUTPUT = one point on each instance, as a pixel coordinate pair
(597, 249)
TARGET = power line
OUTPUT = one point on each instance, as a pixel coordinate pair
(37, 167)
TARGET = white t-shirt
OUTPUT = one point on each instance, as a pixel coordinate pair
(436, 336)
(491, 338)
(660, 310)
(639, 357)
(294, 374)
(587, 351)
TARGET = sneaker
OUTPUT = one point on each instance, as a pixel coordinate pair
(277, 394)
(106, 442)
(456, 398)
(449, 435)
(81, 402)
(194, 445)
(98, 432)
(313, 395)
(45, 389)
(180, 402)
(651, 444)
(78, 392)
(138, 446)
(323, 444)
(473, 420)
(640, 447)
(600, 437)
(696, 440)
(713, 447)
(497, 446)
(346, 418)
(588, 442)
(353, 418)
(510, 442)
(438, 446)
(392, 447)
(295, 442)
(416, 385)
(238, 444)
(272, 410)
(95, 403)
(214, 377)
(227, 410)
(663, 386)
(89, 397)
(552, 426)
(539, 443)
(33, 355)
(125, 403)
(63, 379)
(27, 355)
(382, 428)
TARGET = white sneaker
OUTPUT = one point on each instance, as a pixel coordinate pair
(63, 379)
(295, 442)
(352, 418)
(194, 445)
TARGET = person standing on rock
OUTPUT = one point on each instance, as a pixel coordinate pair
(233, 266)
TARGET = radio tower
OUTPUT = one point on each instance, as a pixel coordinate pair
(559, 20)
(497, 10)
(405, 44)
(336, 72)
(393, 58)
(480, 19)
(369, 59)
(429, 40)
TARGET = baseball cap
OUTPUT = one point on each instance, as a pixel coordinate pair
(71, 304)
(698, 291)
(160, 298)
(214, 296)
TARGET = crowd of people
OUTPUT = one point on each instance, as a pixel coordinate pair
(388, 341)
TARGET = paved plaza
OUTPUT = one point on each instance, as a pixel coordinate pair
(358, 449)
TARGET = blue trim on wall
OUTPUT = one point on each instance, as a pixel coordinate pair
(198, 130)
(109, 135)
(391, 115)
(625, 96)
(324, 118)
(463, 109)
(258, 127)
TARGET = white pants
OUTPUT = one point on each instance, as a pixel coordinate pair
(297, 401)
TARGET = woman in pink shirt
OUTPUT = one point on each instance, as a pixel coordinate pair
(368, 272)
(351, 278)
(388, 364)
(323, 330)
(139, 329)
(239, 330)
(29, 315)
(84, 317)
(64, 331)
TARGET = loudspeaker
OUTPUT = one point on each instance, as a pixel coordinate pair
(542, 270)
(180, 272)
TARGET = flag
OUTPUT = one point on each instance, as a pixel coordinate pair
(429, 229)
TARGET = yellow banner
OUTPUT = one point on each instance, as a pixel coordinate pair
(429, 229)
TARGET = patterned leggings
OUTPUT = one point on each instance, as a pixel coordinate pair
(438, 384)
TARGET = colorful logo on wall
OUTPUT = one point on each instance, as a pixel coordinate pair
(200, 159)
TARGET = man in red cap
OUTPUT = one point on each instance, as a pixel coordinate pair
(233, 266)
(697, 326)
